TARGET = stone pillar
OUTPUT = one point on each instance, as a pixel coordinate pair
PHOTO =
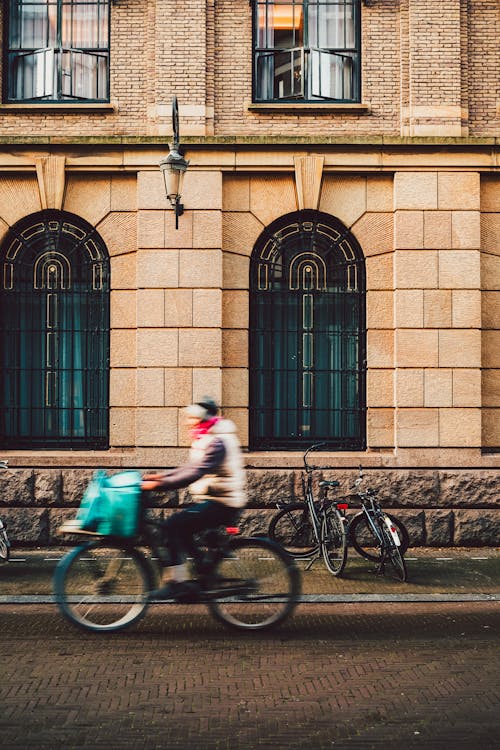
(179, 304)
(437, 310)
(433, 102)
(490, 282)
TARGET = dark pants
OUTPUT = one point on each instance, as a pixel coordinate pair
(180, 528)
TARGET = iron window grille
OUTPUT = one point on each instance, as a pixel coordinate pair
(307, 335)
(57, 51)
(307, 50)
(54, 324)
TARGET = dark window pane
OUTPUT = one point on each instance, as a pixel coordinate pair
(307, 336)
(54, 324)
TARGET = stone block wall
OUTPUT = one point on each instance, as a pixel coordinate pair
(180, 298)
(439, 507)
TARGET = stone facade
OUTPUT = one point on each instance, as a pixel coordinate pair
(412, 172)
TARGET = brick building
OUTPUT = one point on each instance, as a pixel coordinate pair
(334, 276)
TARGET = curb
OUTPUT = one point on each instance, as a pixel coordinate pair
(312, 598)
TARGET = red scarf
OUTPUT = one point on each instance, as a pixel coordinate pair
(203, 427)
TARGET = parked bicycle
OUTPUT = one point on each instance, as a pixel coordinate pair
(246, 583)
(376, 535)
(296, 526)
(4, 539)
(313, 528)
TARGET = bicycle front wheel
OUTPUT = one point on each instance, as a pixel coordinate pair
(262, 581)
(366, 543)
(333, 542)
(292, 529)
(102, 586)
(393, 554)
(4, 544)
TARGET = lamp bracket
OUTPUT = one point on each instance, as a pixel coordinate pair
(175, 122)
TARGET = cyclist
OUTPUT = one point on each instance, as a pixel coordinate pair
(216, 480)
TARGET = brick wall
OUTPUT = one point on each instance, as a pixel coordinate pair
(484, 54)
(415, 53)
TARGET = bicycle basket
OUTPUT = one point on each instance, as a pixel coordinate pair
(111, 504)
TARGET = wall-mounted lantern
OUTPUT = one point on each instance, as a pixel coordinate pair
(173, 168)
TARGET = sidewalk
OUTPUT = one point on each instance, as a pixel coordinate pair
(434, 574)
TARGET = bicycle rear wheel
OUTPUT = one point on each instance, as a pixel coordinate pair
(262, 581)
(292, 529)
(333, 542)
(103, 586)
(364, 541)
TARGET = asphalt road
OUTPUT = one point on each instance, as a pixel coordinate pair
(360, 675)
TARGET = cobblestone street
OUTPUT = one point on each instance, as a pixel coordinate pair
(363, 675)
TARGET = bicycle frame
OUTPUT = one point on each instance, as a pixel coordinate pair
(323, 504)
(370, 507)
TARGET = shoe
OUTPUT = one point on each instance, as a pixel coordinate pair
(185, 592)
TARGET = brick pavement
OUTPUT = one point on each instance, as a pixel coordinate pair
(333, 676)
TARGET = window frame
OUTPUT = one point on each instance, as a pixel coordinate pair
(12, 54)
(306, 53)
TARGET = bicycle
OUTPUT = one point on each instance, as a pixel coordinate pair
(311, 528)
(376, 535)
(4, 539)
(295, 526)
(248, 583)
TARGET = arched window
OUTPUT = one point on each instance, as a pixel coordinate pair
(307, 337)
(54, 313)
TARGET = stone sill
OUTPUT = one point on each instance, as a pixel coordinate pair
(262, 142)
(34, 108)
(308, 108)
(148, 458)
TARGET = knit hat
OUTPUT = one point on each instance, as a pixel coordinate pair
(204, 409)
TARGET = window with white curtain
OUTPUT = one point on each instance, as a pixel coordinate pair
(58, 50)
(307, 50)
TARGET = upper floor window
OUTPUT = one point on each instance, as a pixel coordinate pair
(57, 51)
(307, 50)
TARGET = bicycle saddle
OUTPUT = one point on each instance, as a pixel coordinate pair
(329, 483)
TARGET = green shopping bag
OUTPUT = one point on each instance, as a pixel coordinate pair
(111, 504)
(122, 504)
(92, 507)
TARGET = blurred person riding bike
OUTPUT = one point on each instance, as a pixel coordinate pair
(215, 476)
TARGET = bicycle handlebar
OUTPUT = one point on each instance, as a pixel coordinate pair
(358, 481)
(312, 448)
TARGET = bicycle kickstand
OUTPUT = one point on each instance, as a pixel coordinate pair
(313, 559)
(380, 570)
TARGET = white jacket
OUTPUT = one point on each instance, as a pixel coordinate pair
(227, 483)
